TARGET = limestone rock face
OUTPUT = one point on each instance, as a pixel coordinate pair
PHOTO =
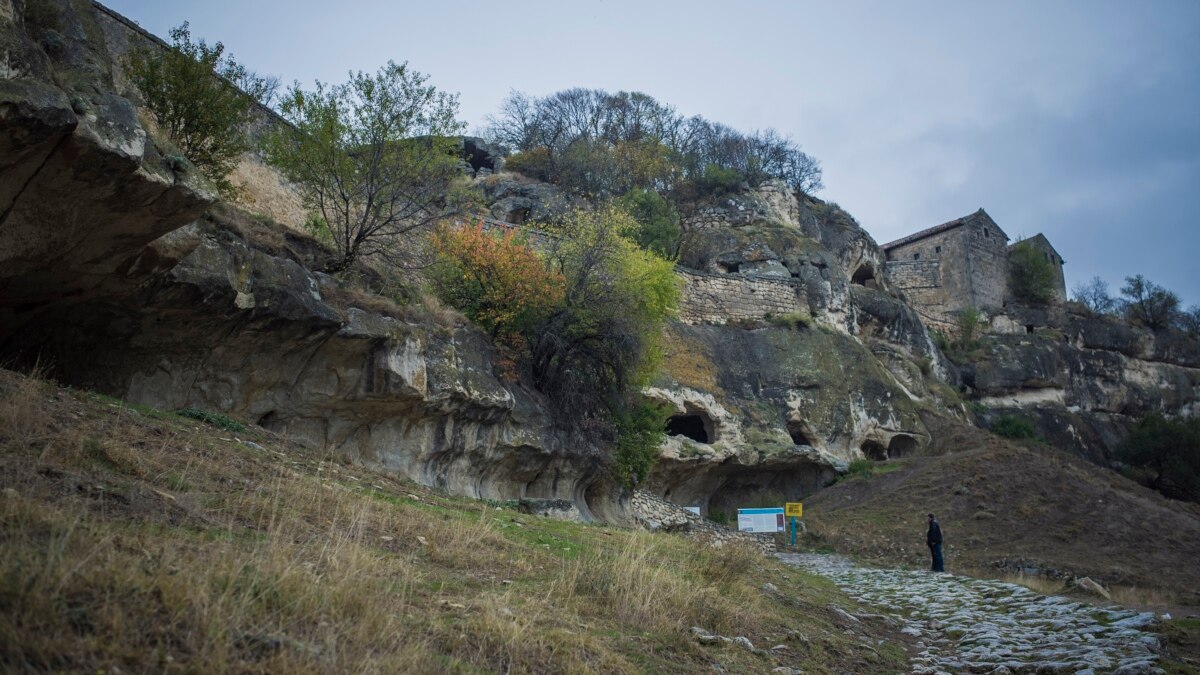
(1084, 380)
(774, 411)
(116, 275)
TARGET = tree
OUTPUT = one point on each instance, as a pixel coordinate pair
(193, 91)
(1149, 304)
(606, 144)
(1169, 450)
(1094, 296)
(1031, 276)
(1189, 321)
(592, 355)
(372, 157)
(658, 222)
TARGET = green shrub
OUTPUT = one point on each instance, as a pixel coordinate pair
(216, 419)
(969, 322)
(793, 320)
(190, 90)
(640, 432)
(1031, 277)
(860, 467)
(1011, 426)
(718, 180)
(1167, 453)
(658, 221)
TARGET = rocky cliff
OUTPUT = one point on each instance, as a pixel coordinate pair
(792, 356)
(115, 274)
(1083, 379)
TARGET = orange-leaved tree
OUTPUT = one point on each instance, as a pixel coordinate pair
(497, 279)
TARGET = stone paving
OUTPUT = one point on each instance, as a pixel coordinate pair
(967, 625)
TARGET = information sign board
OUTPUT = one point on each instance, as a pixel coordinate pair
(761, 520)
(794, 509)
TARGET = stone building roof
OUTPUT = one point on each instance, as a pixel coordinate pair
(937, 229)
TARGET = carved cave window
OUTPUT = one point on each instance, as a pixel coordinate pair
(696, 427)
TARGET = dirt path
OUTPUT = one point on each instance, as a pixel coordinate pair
(980, 626)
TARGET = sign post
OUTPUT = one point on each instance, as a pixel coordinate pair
(794, 510)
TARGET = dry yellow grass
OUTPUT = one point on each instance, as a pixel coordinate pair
(139, 540)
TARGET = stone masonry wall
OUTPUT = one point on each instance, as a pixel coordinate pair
(720, 298)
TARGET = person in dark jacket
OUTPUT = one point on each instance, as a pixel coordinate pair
(933, 539)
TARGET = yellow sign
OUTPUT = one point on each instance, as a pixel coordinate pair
(794, 509)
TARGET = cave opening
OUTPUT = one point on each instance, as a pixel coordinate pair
(518, 216)
(729, 268)
(799, 436)
(865, 276)
(901, 446)
(695, 427)
(874, 450)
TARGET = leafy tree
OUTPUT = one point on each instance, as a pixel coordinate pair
(192, 90)
(969, 322)
(658, 222)
(496, 279)
(371, 156)
(1169, 451)
(604, 339)
(1149, 304)
(1031, 276)
(1094, 296)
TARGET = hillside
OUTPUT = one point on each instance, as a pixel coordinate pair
(1007, 508)
(140, 540)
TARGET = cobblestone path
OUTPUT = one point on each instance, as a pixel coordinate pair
(967, 625)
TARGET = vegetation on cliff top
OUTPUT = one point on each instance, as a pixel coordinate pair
(193, 91)
(138, 540)
(601, 144)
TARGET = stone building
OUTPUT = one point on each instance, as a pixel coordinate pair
(958, 264)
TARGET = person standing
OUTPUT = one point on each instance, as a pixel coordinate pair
(933, 539)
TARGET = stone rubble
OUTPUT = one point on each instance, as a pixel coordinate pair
(967, 625)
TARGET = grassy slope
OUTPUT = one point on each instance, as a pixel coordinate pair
(996, 499)
(147, 541)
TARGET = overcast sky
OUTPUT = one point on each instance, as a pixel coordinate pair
(1077, 119)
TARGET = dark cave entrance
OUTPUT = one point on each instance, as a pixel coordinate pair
(696, 427)
(902, 446)
(518, 216)
(799, 436)
(874, 450)
(865, 276)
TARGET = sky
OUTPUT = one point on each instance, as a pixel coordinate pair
(1080, 120)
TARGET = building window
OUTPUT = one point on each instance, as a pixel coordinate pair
(916, 256)
(937, 249)
(986, 234)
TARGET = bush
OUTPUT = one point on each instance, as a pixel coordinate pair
(534, 163)
(1167, 452)
(792, 320)
(1031, 276)
(190, 89)
(640, 430)
(969, 322)
(1011, 426)
(216, 419)
(496, 279)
